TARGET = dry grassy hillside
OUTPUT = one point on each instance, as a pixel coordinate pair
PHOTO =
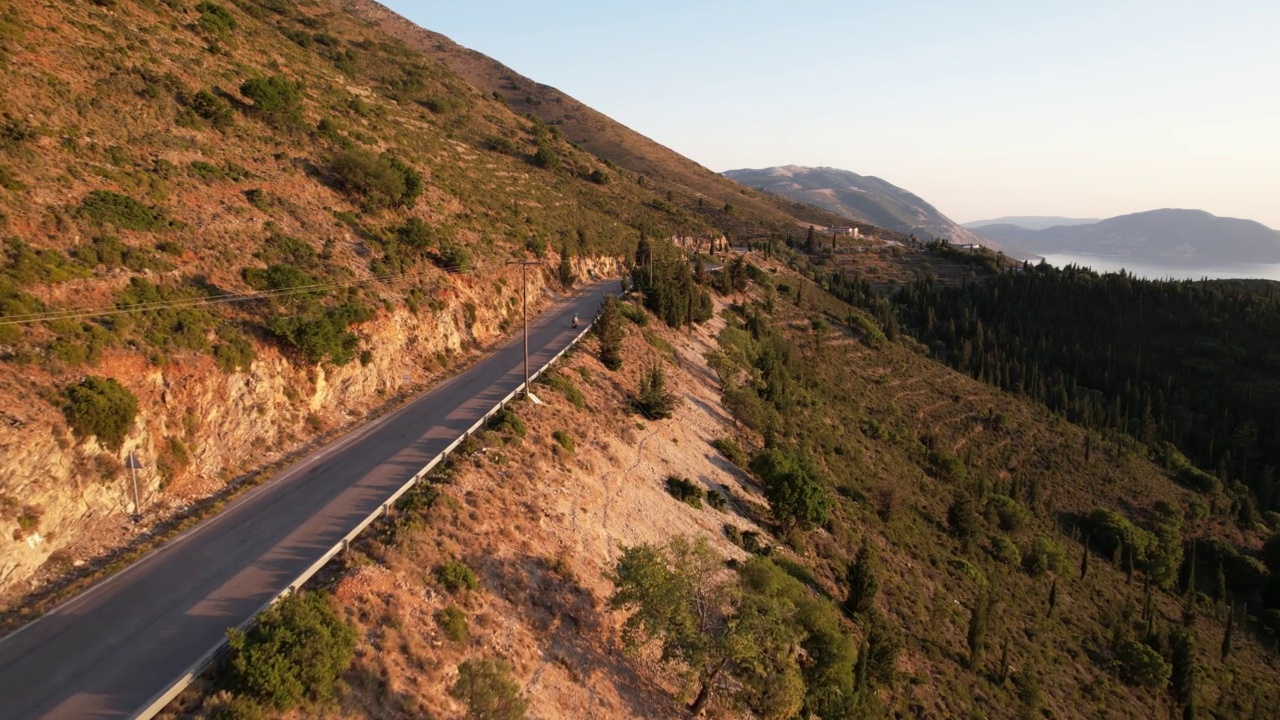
(542, 508)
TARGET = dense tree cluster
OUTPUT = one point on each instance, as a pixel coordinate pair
(664, 278)
(1191, 363)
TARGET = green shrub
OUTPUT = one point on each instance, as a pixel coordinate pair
(732, 451)
(280, 276)
(164, 327)
(563, 439)
(453, 257)
(1005, 551)
(379, 180)
(277, 100)
(454, 623)
(717, 500)
(947, 466)
(546, 158)
(9, 182)
(599, 177)
(1044, 556)
(438, 106)
(205, 171)
(415, 233)
(212, 108)
(256, 197)
(102, 408)
(564, 386)
(1110, 531)
(234, 352)
(323, 336)
(171, 247)
(24, 265)
(296, 650)
(793, 488)
(109, 251)
(501, 144)
(78, 342)
(486, 688)
(751, 543)
(634, 313)
(507, 422)
(685, 491)
(215, 20)
(15, 131)
(281, 248)
(226, 706)
(455, 576)
(105, 206)
(28, 518)
(1140, 665)
(1007, 513)
(733, 534)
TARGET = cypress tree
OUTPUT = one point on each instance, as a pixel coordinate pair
(610, 332)
(977, 629)
(1182, 679)
(1226, 636)
(862, 582)
(860, 670)
(1053, 597)
(1004, 660)
(1084, 559)
(1190, 591)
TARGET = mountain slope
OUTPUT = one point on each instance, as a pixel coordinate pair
(594, 132)
(856, 197)
(1031, 222)
(1183, 236)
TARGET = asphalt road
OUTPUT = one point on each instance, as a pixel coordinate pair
(110, 651)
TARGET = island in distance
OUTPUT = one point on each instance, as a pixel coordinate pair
(1183, 237)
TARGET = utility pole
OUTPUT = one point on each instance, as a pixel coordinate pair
(524, 310)
(133, 468)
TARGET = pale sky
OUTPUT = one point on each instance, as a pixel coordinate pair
(1085, 109)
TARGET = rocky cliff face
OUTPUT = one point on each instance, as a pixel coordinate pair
(198, 429)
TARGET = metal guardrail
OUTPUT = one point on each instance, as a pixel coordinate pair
(206, 661)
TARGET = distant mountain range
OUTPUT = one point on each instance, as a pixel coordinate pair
(857, 197)
(1169, 235)
(1031, 222)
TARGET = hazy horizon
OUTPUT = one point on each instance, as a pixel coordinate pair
(993, 109)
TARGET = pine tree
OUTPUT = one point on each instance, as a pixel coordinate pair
(653, 400)
(610, 332)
